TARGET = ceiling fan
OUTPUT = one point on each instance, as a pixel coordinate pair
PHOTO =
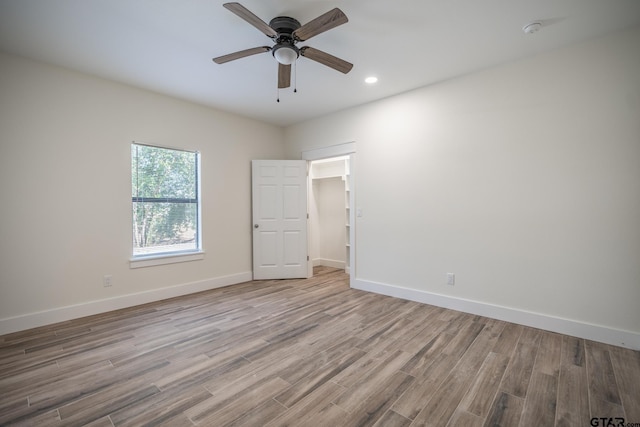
(286, 32)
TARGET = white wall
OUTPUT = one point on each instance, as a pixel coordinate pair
(523, 180)
(65, 187)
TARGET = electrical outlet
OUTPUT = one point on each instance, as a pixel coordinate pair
(451, 279)
(106, 280)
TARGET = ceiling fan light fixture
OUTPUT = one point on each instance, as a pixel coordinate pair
(285, 54)
(285, 32)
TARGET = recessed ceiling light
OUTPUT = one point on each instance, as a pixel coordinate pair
(371, 80)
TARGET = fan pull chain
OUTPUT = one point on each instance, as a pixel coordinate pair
(278, 95)
(295, 77)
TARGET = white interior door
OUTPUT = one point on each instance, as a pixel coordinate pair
(279, 192)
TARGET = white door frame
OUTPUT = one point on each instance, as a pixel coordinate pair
(346, 149)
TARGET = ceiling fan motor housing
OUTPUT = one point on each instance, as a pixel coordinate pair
(284, 26)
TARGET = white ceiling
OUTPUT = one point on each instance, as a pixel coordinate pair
(167, 45)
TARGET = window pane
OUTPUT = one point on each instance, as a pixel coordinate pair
(163, 173)
(164, 200)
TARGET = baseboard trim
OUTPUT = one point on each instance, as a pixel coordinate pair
(329, 263)
(61, 314)
(574, 328)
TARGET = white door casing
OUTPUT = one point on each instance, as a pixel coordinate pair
(279, 193)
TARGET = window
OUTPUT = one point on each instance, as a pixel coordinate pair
(165, 201)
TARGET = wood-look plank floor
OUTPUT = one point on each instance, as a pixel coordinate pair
(308, 353)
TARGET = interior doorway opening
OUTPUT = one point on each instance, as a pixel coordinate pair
(330, 217)
(346, 151)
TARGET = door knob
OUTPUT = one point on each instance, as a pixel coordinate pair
(256, 226)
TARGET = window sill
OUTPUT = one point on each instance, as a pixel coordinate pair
(152, 260)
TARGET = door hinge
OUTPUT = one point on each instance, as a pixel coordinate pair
(307, 216)
(307, 257)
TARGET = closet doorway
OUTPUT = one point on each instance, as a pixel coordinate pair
(331, 207)
(329, 213)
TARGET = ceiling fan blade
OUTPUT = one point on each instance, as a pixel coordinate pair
(252, 19)
(284, 76)
(322, 23)
(241, 54)
(326, 59)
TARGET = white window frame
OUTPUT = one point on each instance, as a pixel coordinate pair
(148, 260)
